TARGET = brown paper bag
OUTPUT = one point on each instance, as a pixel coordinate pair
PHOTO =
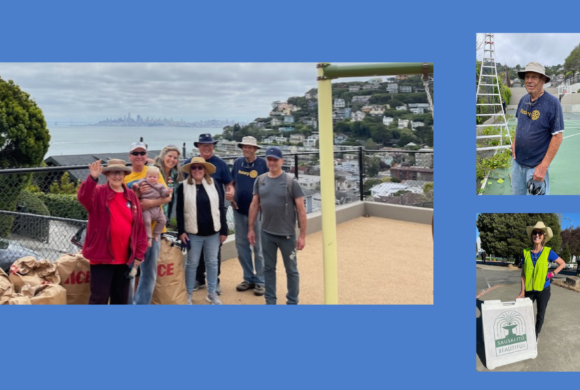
(28, 270)
(74, 272)
(17, 299)
(170, 284)
(45, 294)
(6, 287)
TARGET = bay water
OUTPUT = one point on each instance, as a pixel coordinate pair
(66, 140)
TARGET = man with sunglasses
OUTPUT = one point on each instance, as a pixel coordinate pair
(138, 157)
(222, 176)
(539, 133)
(244, 172)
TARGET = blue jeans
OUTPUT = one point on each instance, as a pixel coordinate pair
(520, 176)
(245, 251)
(148, 276)
(210, 246)
(287, 245)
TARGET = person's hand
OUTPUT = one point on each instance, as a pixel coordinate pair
(135, 187)
(300, 243)
(234, 204)
(539, 173)
(170, 191)
(551, 275)
(223, 239)
(514, 150)
(145, 187)
(252, 237)
(136, 264)
(183, 238)
(522, 295)
(230, 194)
(95, 169)
(146, 204)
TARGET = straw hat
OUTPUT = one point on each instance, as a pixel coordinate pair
(209, 168)
(117, 165)
(540, 226)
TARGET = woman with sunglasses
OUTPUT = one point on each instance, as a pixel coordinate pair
(201, 222)
(167, 162)
(116, 238)
(535, 275)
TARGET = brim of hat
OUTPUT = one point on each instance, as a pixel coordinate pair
(197, 143)
(125, 169)
(276, 157)
(522, 76)
(547, 232)
(209, 168)
(240, 144)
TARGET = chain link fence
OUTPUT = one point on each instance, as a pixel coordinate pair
(40, 215)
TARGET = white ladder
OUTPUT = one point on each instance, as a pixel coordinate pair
(489, 81)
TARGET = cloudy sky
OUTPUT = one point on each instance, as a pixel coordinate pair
(189, 91)
(547, 49)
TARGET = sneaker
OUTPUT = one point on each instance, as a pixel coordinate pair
(245, 286)
(259, 290)
(213, 299)
(218, 290)
(197, 285)
(189, 301)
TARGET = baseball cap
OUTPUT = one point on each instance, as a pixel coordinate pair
(137, 145)
(274, 152)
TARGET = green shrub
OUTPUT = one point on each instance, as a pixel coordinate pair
(28, 226)
(29, 203)
(64, 206)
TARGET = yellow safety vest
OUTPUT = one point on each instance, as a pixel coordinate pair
(536, 275)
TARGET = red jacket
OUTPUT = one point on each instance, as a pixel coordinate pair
(95, 198)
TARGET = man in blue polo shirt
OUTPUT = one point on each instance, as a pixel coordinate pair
(222, 176)
(539, 134)
(244, 172)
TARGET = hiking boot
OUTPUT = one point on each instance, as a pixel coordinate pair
(245, 286)
(259, 290)
(213, 299)
(218, 290)
(197, 285)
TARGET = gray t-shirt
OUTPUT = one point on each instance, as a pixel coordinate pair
(278, 207)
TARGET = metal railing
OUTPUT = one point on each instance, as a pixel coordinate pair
(40, 215)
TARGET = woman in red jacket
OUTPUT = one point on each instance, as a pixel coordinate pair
(116, 240)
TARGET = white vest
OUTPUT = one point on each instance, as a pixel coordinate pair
(190, 206)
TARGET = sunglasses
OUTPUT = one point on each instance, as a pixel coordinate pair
(198, 167)
(138, 153)
(538, 233)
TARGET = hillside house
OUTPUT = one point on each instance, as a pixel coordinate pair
(297, 138)
(360, 99)
(393, 88)
(339, 103)
(401, 108)
(416, 124)
(405, 89)
(403, 123)
(354, 88)
(357, 116)
(387, 120)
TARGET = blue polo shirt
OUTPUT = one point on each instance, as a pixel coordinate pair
(551, 258)
(537, 123)
(244, 175)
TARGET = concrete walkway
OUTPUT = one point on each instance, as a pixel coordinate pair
(559, 342)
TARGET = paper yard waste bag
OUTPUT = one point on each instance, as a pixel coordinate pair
(45, 294)
(6, 287)
(75, 275)
(170, 284)
(28, 270)
(509, 332)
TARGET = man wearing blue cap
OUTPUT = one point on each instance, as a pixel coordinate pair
(539, 134)
(281, 200)
(223, 177)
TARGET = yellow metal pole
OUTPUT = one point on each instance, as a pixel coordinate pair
(326, 145)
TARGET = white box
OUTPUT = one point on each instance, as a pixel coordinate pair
(509, 332)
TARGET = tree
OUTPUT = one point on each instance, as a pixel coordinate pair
(24, 141)
(372, 166)
(572, 62)
(566, 254)
(504, 235)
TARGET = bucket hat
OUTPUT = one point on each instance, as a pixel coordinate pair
(116, 165)
(209, 168)
(534, 67)
(540, 226)
(249, 141)
(205, 139)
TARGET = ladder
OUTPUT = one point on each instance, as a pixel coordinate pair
(487, 101)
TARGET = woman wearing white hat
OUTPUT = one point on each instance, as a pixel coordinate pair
(201, 221)
(535, 275)
(116, 239)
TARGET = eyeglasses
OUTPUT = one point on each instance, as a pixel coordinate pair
(538, 233)
(138, 153)
(198, 167)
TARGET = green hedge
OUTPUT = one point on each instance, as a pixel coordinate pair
(32, 227)
(64, 206)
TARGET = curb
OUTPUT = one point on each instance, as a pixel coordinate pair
(491, 288)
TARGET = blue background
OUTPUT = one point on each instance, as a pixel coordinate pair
(281, 347)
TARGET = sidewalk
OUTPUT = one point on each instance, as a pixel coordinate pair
(559, 344)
